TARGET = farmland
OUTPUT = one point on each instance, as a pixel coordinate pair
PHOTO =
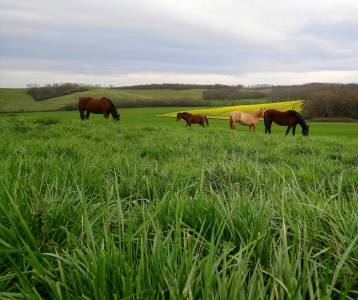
(146, 208)
(18, 100)
(224, 111)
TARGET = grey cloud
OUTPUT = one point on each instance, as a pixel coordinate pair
(110, 38)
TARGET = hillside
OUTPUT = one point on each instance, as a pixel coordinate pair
(12, 100)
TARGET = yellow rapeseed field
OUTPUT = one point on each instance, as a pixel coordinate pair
(224, 112)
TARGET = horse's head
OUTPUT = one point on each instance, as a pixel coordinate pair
(179, 116)
(115, 115)
(261, 112)
(305, 129)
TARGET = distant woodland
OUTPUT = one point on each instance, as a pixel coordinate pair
(322, 100)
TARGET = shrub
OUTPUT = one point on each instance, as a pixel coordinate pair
(232, 93)
(340, 101)
(55, 90)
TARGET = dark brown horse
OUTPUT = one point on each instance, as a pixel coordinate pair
(290, 118)
(193, 119)
(87, 105)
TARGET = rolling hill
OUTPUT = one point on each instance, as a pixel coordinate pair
(14, 100)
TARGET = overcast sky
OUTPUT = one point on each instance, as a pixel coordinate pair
(122, 42)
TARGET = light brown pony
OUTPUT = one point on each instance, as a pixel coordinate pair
(97, 106)
(248, 118)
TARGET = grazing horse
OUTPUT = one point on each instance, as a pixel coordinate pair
(290, 118)
(249, 118)
(97, 106)
(193, 119)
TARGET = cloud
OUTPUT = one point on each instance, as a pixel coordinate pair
(21, 78)
(105, 39)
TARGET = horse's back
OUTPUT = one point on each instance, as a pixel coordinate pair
(94, 104)
(282, 117)
(86, 99)
(236, 114)
(274, 112)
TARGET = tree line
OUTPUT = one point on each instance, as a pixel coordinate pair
(40, 93)
(322, 100)
(232, 93)
(177, 86)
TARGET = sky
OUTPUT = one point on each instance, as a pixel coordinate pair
(127, 42)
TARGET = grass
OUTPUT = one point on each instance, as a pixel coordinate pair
(146, 208)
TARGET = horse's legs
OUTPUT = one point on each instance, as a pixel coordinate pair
(288, 129)
(82, 114)
(105, 114)
(254, 127)
(88, 114)
(294, 129)
(268, 126)
(202, 124)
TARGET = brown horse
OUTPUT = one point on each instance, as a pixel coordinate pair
(193, 119)
(290, 118)
(97, 106)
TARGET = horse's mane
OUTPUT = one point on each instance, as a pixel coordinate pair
(300, 118)
(109, 100)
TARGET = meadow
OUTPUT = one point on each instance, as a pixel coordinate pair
(146, 208)
(18, 100)
(15, 100)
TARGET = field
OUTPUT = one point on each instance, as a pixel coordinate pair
(146, 208)
(17, 100)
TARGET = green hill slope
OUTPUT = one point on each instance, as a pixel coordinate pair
(12, 100)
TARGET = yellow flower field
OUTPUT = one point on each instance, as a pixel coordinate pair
(224, 112)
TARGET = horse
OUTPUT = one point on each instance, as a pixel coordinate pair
(290, 118)
(97, 106)
(193, 119)
(248, 118)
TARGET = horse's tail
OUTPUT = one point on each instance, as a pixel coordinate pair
(231, 122)
(206, 121)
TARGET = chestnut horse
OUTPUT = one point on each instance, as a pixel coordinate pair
(193, 119)
(290, 118)
(97, 106)
(248, 118)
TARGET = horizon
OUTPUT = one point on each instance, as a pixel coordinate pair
(203, 42)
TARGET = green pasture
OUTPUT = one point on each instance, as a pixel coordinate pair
(149, 116)
(146, 208)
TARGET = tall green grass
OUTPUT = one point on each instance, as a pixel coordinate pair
(98, 210)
